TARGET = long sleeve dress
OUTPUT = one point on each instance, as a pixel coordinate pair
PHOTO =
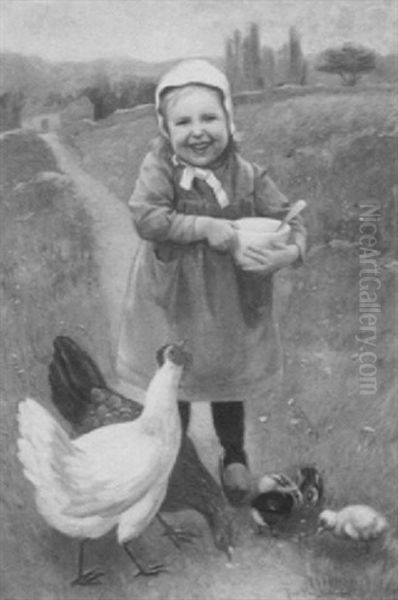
(181, 288)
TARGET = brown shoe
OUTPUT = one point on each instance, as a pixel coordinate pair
(235, 481)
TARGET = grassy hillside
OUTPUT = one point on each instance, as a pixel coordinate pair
(339, 152)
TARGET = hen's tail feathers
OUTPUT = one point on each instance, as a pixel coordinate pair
(42, 441)
(72, 375)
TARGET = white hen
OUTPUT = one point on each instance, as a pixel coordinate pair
(114, 475)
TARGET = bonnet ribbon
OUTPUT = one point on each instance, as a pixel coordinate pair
(190, 173)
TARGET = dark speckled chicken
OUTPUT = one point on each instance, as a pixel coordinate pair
(286, 502)
(81, 394)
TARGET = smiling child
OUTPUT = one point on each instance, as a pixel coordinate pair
(184, 283)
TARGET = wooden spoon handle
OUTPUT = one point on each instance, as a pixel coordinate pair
(293, 212)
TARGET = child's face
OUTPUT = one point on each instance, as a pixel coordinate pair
(197, 124)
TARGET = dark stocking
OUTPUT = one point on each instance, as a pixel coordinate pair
(228, 419)
(184, 409)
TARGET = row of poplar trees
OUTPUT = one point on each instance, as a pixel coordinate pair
(250, 66)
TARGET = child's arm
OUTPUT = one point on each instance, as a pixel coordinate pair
(153, 208)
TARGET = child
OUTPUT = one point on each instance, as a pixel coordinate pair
(184, 283)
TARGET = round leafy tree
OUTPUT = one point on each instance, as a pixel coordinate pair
(349, 61)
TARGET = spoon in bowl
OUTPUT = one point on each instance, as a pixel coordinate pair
(295, 209)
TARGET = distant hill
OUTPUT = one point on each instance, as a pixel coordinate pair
(39, 78)
(20, 72)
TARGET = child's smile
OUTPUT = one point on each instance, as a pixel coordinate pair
(197, 125)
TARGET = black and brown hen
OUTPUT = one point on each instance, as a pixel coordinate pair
(82, 396)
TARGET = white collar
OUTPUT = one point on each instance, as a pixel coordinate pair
(190, 173)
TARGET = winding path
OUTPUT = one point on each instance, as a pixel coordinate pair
(113, 230)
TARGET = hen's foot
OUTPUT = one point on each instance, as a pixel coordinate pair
(89, 578)
(150, 570)
(145, 571)
(180, 536)
(177, 536)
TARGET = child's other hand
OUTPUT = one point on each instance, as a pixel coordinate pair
(268, 260)
(219, 233)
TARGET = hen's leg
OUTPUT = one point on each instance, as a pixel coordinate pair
(176, 536)
(86, 577)
(147, 571)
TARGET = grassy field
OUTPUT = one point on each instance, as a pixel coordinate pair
(337, 152)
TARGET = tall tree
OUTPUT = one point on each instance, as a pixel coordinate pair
(238, 60)
(268, 67)
(247, 64)
(230, 63)
(297, 68)
(102, 96)
(257, 81)
(283, 64)
(11, 105)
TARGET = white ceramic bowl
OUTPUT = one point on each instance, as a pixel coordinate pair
(259, 232)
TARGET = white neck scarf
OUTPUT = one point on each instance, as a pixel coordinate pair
(190, 173)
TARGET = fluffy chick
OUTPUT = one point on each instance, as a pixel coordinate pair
(355, 522)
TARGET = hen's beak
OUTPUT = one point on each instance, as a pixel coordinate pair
(187, 356)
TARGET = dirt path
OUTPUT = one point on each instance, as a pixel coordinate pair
(115, 237)
(263, 569)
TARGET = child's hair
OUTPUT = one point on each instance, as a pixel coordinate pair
(193, 72)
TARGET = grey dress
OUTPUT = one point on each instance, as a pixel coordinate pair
(180, 288)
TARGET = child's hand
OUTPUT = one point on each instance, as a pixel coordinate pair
(268, 260)
(220, 233)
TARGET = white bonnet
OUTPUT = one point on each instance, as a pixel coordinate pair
(195, 71)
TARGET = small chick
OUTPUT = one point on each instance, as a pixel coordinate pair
(356, 522)
(273, 500)
(287, 500)
(310, 484)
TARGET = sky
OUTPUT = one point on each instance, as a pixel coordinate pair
(157, 30)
